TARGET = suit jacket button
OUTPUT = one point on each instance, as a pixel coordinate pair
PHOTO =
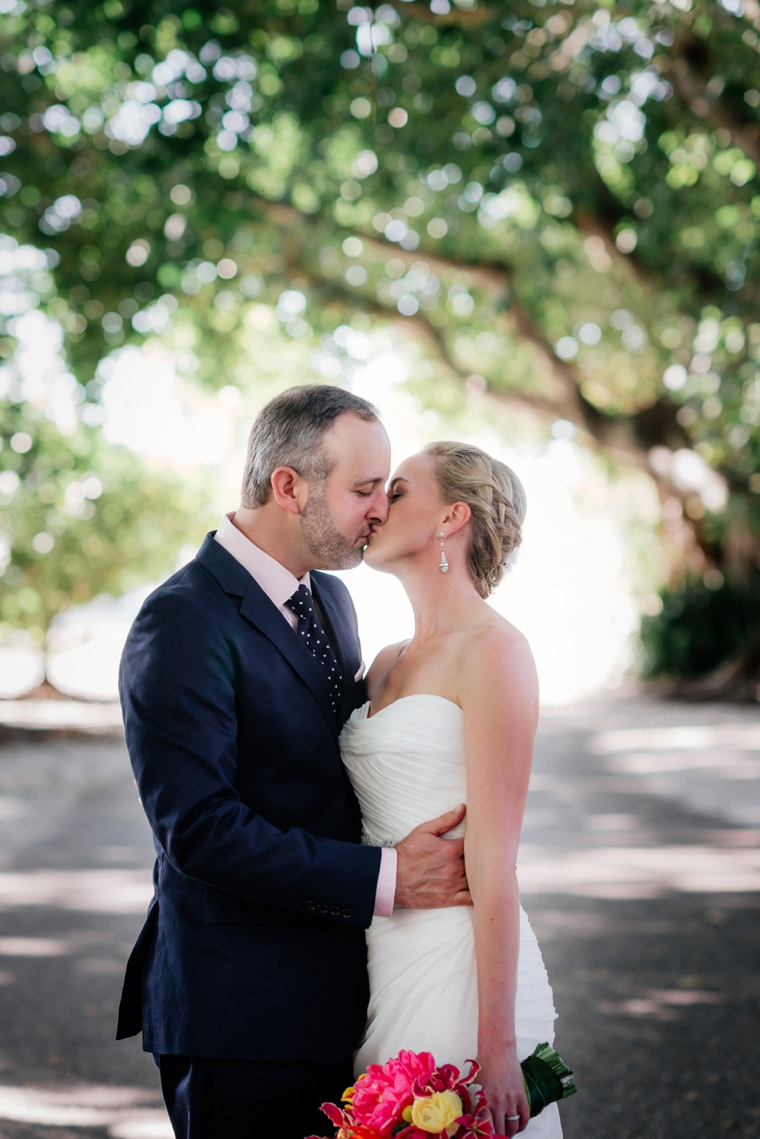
(335, 911)
(348, 913)
(322, 909)
(311, 905)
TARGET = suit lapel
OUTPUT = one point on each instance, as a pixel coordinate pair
(339, 617)
(337, 629)
(342, 634)
(259, 610)
(256, 607)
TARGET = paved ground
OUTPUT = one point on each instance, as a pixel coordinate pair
(640, 870)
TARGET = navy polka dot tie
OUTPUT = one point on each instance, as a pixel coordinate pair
(315, 639)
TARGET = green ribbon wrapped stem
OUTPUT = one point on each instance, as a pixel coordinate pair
(547, 1079)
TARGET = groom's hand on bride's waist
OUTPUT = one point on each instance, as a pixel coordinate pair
(430, 872)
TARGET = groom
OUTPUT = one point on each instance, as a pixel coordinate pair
(249, 978)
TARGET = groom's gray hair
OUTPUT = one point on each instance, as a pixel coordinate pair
(289, 432)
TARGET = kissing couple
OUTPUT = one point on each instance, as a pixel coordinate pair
(318, 905)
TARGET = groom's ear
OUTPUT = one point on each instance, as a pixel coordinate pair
(289, 490)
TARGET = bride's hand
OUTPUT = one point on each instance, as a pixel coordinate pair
(503, 1084)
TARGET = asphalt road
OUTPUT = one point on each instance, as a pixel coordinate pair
(640, 870)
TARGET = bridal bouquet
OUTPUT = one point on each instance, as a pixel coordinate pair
(409, 1097)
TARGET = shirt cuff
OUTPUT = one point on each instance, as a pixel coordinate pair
(386, 883)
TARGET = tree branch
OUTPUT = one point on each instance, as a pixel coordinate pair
(707, 106)
(628, 439)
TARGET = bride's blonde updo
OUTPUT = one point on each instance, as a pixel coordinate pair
(497, 500)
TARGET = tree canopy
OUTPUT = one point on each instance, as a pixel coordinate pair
(557, 202)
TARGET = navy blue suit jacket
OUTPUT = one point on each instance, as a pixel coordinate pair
(254, 943)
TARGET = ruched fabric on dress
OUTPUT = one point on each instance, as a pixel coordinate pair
(407, 765)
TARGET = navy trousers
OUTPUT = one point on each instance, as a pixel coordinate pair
(250, 1099)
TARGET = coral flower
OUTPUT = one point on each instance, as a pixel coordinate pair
(381, 1095)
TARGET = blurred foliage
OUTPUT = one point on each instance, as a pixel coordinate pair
(699, 628)
(78, 517)
(558, 203)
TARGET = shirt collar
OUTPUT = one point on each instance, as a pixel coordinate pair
(278, 583)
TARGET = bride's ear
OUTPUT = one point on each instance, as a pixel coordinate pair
(457, 516)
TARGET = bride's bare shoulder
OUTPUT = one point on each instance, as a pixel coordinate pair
(383, 663)
(497, 648)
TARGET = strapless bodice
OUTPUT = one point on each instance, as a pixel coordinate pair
(406, 763)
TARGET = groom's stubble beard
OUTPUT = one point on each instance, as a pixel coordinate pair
(329, 548)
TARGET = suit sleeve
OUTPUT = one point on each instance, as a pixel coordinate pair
(178, 699)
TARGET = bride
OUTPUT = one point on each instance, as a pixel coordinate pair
(450, 719)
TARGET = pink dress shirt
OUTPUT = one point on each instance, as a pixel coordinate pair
(279, 584)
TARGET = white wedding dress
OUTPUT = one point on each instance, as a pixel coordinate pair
(407, 765)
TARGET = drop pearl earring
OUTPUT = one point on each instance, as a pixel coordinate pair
(443, 565)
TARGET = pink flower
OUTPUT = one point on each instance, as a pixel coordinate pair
(384, 1091)
(475, 1123)
(347, 1129)
(380, 1103)
(476, 1128)
(335, 1115)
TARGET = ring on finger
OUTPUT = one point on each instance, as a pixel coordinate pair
(511, 1118)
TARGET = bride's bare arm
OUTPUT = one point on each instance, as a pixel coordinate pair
(499, 697)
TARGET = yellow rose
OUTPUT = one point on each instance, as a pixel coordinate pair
(436, 1112)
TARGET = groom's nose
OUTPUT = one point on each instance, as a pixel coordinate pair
(379, 506)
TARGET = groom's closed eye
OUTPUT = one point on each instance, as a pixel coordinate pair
(366, 489)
